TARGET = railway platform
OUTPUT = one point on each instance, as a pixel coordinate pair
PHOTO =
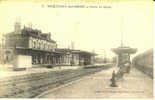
(133, 85)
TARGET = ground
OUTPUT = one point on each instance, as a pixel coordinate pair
(133, 85)
(6, 74)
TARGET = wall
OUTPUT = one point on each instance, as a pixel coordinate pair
(41, 44)
(23, 61)
(17, 40)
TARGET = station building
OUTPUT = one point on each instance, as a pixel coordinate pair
(75, 57)
(28, 47)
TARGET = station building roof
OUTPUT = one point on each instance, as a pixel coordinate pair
(26, 31)
(66, 50)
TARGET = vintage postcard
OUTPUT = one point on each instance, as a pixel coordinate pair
(76, 49)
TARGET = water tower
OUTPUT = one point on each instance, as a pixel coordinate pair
(123, 54)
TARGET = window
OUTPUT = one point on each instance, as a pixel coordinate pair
(39, 45)
(34, 44)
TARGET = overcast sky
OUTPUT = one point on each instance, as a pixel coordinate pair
(89, 28)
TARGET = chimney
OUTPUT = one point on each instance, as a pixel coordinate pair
(72, 45)
(17, 27)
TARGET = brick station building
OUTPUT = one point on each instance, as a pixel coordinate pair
(28, 47)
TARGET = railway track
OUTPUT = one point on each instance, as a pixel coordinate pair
(29, 86)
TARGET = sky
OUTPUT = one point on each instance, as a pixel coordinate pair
(97, 29)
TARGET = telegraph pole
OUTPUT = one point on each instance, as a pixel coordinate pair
(122, 22)
(2, 48)
(105, 58)
(72, 47)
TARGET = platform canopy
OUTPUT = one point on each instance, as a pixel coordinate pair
(84, 52)
(121, 50)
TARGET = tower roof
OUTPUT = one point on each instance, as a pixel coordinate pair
(121, 50)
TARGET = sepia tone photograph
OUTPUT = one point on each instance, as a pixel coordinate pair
(76, 49)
